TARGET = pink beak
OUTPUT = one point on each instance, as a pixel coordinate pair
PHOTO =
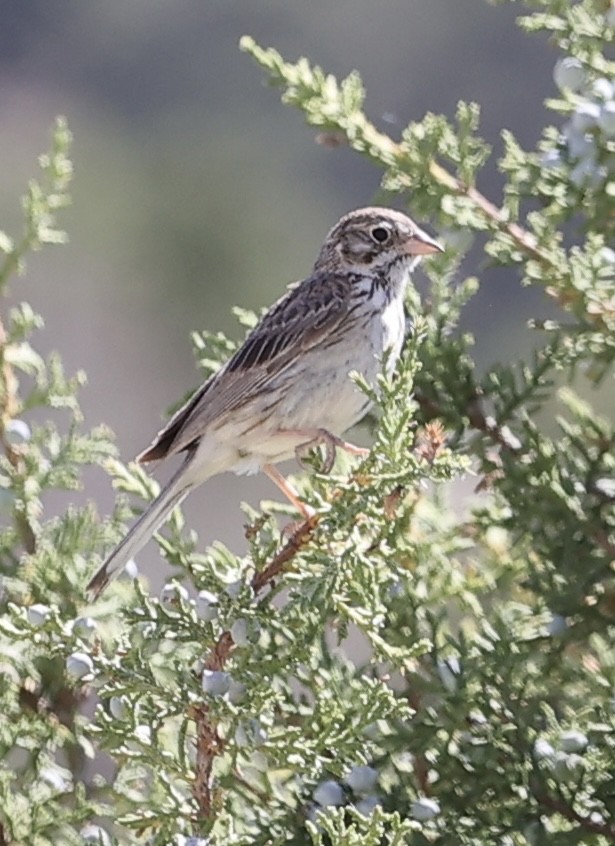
(422, 244)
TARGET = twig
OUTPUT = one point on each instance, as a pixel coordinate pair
(209, 744)
(559, 806)
(524, 239)
(282, 558)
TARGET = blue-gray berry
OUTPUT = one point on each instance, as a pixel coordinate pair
(569, 74)
(216, 682)
(17, 432)
(425, 809)
(207, 606)
(79, 665)
(543, 749)
(329, 793)
(573, 741)
(38, 614)
(362, 779)
(119, 707)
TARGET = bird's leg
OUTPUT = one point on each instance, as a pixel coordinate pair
(315, 438)
(322, 437)
(287, 489)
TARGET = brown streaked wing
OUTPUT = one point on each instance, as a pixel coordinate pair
(301, 318)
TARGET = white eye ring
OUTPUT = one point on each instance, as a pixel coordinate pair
(380, 234)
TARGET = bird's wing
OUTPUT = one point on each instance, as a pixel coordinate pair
(303, 317)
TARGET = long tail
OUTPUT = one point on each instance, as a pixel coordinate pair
(176, 489)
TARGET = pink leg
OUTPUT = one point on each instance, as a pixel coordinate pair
(287, 489)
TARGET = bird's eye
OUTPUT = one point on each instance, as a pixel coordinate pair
(380, 234)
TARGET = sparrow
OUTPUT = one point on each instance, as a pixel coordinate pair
(288, 388)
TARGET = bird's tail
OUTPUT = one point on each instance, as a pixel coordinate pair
(176, 489)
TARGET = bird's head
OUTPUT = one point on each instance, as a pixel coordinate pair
(375, 239)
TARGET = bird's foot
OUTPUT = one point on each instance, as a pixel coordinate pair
(322, 437)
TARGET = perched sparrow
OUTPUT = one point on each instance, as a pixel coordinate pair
(287, 388)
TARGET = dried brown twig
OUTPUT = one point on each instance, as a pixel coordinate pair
(522, 238)
(209, 744)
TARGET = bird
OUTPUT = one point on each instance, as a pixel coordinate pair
(287, 388)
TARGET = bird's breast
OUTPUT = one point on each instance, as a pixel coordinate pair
(330, 399)
(316, 390)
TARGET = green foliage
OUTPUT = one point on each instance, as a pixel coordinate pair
(527, 631)
(40, 204)
(44, 638)
(400, 668)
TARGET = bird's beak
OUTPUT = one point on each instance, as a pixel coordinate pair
(422, 244)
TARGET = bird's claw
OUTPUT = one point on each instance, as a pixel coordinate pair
(323, 438)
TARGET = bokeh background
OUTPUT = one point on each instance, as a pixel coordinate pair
(195, 189)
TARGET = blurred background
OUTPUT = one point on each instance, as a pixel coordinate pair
(196, 190)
